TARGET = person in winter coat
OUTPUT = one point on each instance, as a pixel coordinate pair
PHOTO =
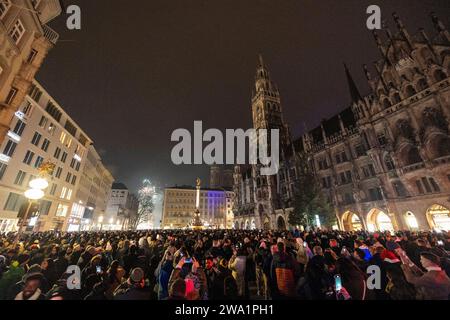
(302, 255)
(398, 288)
(164, 275)
(262, 282)
(222, 285)
(31, 289)
(115, 275)
(86, 257)
(431, 285)
(61, 263)
(194, 278)
(353, 279)
(13, 275)
(237, 266)
(49, 271)
(134, 288)
(284, 272)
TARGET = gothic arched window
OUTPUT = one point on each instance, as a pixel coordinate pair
(413, 156)
(389, 163)
(410, 91)
(422, 84)
(396, 98)
(439, 75)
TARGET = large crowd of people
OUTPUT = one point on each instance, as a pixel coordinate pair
(224, 265)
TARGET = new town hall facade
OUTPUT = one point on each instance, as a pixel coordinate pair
(384, 162)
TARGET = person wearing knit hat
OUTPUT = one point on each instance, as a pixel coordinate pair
(431, 285)
(134, 288)
(389, 256)
(31, 289)
(136, 275)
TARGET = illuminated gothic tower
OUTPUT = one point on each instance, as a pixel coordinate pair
(267, 114)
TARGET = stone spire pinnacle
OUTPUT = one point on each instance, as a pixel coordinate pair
(354, 92)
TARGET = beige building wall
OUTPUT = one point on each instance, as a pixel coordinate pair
(25, 40)
(179, 206)
(41, 131)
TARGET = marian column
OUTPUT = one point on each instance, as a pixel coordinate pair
(197, 223)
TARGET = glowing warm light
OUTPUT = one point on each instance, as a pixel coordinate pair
(14, 136)
(39, 183)
(34, 194)
(100, 219)
(20, 115)
(4, 158)
(33, 221)
(111, 221)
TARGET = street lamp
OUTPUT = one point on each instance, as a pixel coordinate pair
(34, 194)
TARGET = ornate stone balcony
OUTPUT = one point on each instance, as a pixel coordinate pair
(50, 34)
(413, 167)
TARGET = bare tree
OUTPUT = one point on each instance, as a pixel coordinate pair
(146, 196)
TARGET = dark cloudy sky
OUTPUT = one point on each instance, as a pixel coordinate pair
(139, 69)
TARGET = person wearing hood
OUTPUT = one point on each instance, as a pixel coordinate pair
(134, 288)
(31, 289)
(13, 275)
(86, 257)
(164, 274)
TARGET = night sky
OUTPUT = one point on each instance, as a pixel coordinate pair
(139, 69)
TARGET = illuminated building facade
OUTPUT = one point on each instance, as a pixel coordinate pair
(215, 206)
(384, 161)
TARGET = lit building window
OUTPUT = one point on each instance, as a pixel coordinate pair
(63, 192)
(61, 211)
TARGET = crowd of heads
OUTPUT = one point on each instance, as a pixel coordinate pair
(224, 264)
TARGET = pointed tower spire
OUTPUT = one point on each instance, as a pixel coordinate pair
(262, 79)
(402, 29)
(380, 45)
(354, 92)
(261, 61)
(440, 26)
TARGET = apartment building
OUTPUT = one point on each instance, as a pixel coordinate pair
(42, 132)
(25, 41)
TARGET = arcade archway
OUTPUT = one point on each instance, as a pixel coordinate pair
(252, 225)
(377, 220)
(247, 225)
(439, 217)
(351, 222)
(411, 221)
(281, 224)
(266, 223)
(236, 225)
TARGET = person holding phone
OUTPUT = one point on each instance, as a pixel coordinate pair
(195, 278)
(434, 284)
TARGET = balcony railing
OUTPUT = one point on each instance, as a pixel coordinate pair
(50, 34)
(442, 160)
(414, 167)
